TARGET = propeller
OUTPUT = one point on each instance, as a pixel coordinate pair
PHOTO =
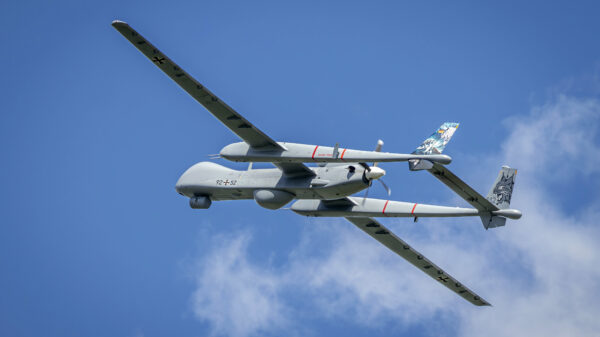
(387, 189)
(375, 173)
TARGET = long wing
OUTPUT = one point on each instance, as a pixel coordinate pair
(461, 188)
(398, 246)
(233, 120)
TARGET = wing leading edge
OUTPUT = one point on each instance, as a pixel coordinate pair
(233, 120)
(224, 113)
(398, 246)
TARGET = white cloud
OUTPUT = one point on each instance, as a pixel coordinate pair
(557, 141)
(233, 295)
(540, 272)
(358, 276)
(559, 138)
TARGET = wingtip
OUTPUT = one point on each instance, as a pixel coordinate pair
(483, 304)
(118, 22)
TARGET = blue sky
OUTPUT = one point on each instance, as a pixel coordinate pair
(95, 241)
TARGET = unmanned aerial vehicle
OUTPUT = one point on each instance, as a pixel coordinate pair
(326, 190)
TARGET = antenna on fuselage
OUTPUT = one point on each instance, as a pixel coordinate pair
(335, 154)
(336, 150)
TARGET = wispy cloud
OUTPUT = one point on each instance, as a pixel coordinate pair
(235, 296)
(557, 141)
(539, 272)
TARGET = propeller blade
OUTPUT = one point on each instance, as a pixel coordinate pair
(366, 194)
(387, 189)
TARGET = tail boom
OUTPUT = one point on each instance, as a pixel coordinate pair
(359, 207)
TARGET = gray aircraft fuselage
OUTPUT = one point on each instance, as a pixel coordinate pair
(222, 183)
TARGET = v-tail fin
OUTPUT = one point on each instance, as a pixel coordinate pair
(500, 195)
(501, 192)
(434, 144)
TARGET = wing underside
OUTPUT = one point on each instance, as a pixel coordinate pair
(233, 120)
(461, 188)
(398, 246)
(224, 113)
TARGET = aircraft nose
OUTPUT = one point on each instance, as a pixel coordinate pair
(375, 173)
(183, 183)
(178, 186)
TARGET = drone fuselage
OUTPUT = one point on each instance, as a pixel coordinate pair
(217, 182)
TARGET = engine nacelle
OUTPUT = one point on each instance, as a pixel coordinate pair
(272, 199)
(200, 202)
